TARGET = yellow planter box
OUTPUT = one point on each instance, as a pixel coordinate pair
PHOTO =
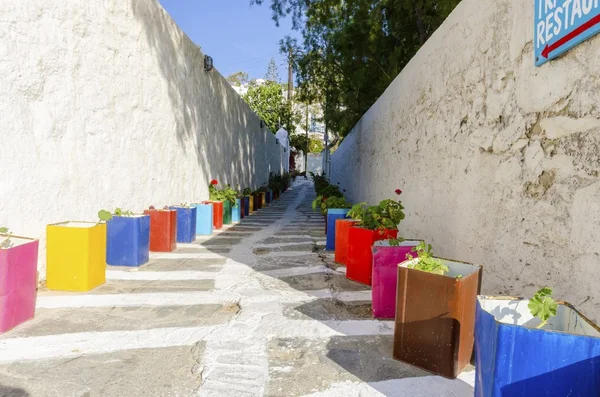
(251, 209)
(75, 256)
(263, 198)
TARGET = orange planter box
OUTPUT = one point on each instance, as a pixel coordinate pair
(163, 230)
(360, 255)
(217, 213)
(342, 228)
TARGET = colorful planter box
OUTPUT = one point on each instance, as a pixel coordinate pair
(360, 257)
(236, 211)
(269, 197)
(333, 214)
(435, 317)
(186, 223)
(163, 230)
(217, 213)
(242, 207)
(248, 202)
(385, 275)
(18, 281)
(128, 240)
(342, 229)
(257, 202)
(263, 199)
(515, 359)
(75, 256)
(227, 212)
(204, 219)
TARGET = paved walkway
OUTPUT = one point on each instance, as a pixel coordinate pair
(258, 309)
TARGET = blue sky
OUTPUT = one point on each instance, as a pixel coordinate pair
(238, 37)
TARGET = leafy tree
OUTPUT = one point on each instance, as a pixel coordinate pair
(272, 72)
(352, 50)
(299, 141)
(268, 102)
(316, 145)
(238, 78)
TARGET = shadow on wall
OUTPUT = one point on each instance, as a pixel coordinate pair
(210, 115)
(6, 391)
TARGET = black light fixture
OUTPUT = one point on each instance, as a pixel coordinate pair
(208, 63)
(277, 141)
(262, 124)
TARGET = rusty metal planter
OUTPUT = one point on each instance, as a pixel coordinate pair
(435, 317)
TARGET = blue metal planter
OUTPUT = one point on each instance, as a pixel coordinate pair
(235, 211)
(269, 196)
(186, 223)
(332, 215)
(246, 206)
(204, 219)
(513, 358)
(128, 240)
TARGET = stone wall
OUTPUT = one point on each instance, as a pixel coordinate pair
(106, 104)
(498, 159)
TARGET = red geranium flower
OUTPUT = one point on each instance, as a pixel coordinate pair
(214, 182)
(398, 192)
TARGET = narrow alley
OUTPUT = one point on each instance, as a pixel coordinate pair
(258, 309)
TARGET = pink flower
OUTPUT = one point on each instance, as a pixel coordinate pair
(398, 192)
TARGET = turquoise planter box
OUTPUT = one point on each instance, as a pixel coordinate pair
(204, 219)
(235, 211)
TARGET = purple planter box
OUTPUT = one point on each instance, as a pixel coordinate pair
(385, 275)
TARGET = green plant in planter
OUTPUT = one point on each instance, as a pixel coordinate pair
(329, 202)
(5, 242)
(229, 194)
(331, 191)
(426, 261)
(247, 191)
(215, 194)
(543, 306)
(320, 182)
(387, 215)
(105, 215)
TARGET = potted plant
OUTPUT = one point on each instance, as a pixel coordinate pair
(535, 347)
(186, 222)
(386, 256)
(435, 312)
(342, 230)
(257, 199)
(236, 209)
(242, 204)
(163, 229)
(18, 279)
(75, 256)
(334, 208)
(248, 201)
(216, 197)
(229, 197)
(379, 222)
(262, 191)
(204, 218)
(127, 237)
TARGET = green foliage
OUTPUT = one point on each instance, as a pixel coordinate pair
(316, 145)
(320, 182)
(225, 194)
(543, 306)
(299, 141)
(238, 78)
(276, 182)
(272, 72)
(105, 215)
(325, 203)
(5, 242)
(268, 102)
(352, 50)
(426, 261)
(386, 215)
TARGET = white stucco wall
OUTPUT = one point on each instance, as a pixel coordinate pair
(498, 160)
(106, 104)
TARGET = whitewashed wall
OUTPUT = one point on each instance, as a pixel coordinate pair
(105, 104)
(498, 160)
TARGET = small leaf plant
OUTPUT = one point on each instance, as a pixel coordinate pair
(247, 191)
(543, 306)
(426, 261)
(386, 215)
(5, 241)
(324, 203)
(105, 215)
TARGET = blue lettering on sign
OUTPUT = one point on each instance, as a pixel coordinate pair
(562, 24)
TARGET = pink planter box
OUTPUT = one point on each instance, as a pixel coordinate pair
(385, 275)
(18, 281)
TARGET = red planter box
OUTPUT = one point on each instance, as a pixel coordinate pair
(163, 230)
(217, 213)
(360, 256)
(342, 228)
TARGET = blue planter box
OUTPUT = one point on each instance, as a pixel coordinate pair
(186, 223)
(235, 211)
(204, 219)
(332, 215)
(246, 206)
(513, 358)
(128, 240)
(269, 197)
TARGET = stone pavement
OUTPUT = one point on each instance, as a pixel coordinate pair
(258, 309)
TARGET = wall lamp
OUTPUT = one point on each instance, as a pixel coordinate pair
(276, 141)
(208, 63)
(262, 124)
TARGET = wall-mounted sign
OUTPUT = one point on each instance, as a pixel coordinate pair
(562, 24)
